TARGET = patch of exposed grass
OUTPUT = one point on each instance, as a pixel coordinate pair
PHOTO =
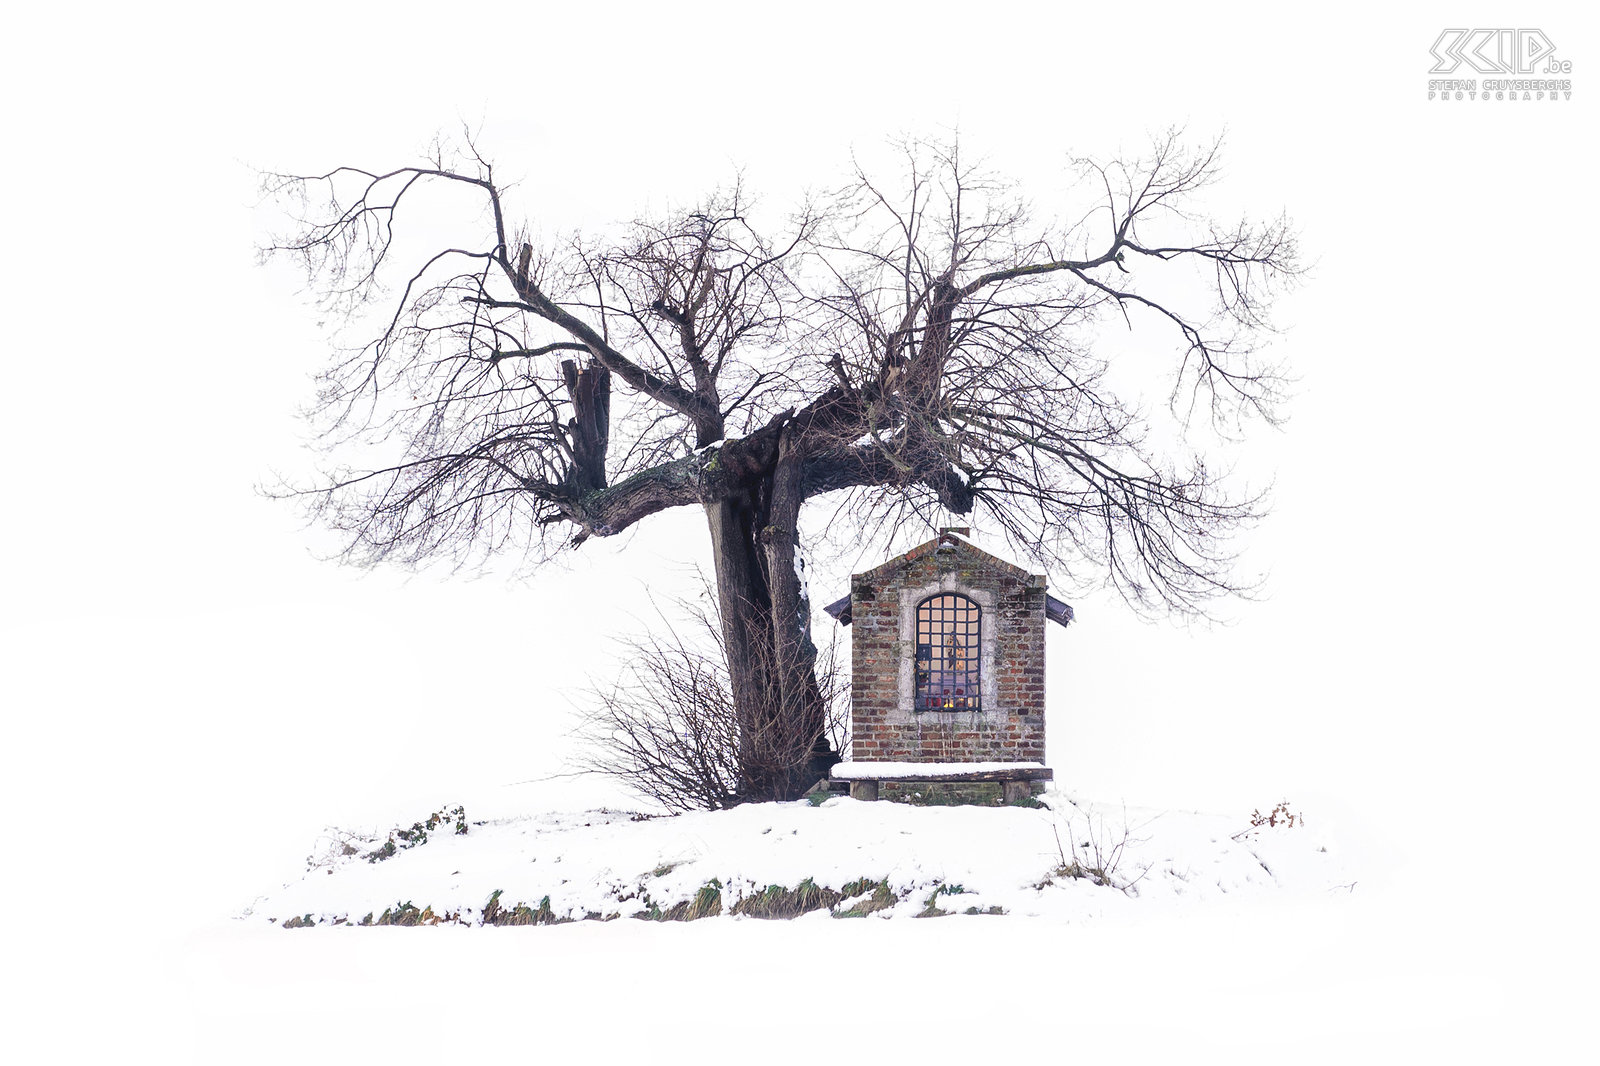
(776, 901)
(707, 903)
(859, 887)
(520, 914)
(869, 896)
(406, 913)
(882, 898)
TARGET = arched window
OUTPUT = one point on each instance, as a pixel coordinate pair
(948, 647)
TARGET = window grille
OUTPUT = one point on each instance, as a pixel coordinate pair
(948, 648)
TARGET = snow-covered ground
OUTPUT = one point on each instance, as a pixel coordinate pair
(1214, 943)
(1070, 860)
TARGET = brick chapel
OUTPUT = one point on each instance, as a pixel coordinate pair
(947, 655)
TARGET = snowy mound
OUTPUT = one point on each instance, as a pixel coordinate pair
(1068, 860)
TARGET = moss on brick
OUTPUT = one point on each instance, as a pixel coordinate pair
(943, 793)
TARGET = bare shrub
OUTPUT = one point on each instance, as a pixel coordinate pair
(667, 726)
(1095, 851)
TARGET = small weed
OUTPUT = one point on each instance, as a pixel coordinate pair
(1095, 859)
(1279, 815)
(931, 908)
(1075, 870)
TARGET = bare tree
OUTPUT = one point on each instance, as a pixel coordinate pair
(668, 728)
(920, 347)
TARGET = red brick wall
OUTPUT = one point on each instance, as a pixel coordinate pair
(885, 725)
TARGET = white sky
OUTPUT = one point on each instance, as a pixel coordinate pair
(174, 653)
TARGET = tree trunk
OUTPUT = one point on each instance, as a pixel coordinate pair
(798, 696)
(766, 625)
(741, 592)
